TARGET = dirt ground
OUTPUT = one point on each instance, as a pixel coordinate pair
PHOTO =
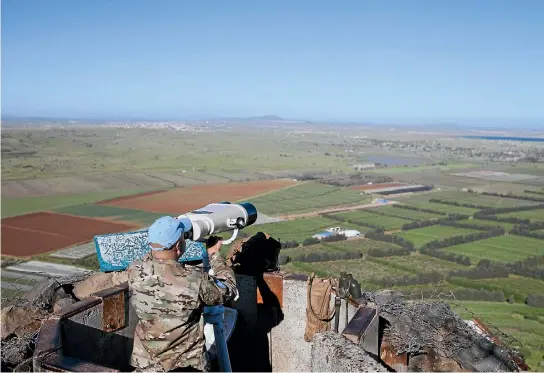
(43, 232)
(182, 200)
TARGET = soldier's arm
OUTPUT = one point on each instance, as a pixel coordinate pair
(219, 286)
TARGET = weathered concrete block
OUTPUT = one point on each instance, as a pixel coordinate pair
(97, 282)
(44, 295)
(62, 304)
(21, 320)
(333, 353)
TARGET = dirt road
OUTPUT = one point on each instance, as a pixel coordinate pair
(337, 209)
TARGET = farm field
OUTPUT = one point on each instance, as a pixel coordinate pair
(307, 197)
(421, 236)
(181, 200)
(375, 186)
(43, 232)
(524, 323)
(19, 206)
(361, 269)
(510, 248)
(103, 211)
(489, 223)
(446, 209)
(462, 197)
(479, 199)
(419, 263)
(407, 214)
(519, 286)
(366, 217)
(298, 229)
(361, 245)
(532, 215)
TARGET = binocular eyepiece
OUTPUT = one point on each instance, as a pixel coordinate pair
(220, 217)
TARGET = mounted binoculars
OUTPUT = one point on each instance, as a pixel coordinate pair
(347, 286)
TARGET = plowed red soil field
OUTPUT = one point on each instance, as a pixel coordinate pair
(182, 200)
(42, 232)
(376, 186)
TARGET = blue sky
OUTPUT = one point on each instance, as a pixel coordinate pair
(404, 61)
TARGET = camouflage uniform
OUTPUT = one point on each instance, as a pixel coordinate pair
(169, 299)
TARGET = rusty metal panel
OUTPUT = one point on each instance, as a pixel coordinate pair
(359, 323)
(275, 283)
(49, 338)
(389, 356)
(113, 312)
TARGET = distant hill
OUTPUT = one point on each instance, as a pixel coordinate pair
(266, 117)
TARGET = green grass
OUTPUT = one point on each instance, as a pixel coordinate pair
(81, 151)
(19, 206)
(422, 263)
(532, 215)
(367, 217)
(512, 320)
(362, 270)
(395, 170)
(519, 285)
(362, 245)
(104, 211)
(489, 223)
(305, 198)
(421, 236)
(298, 229)
(462, 197)
(407, 214)
(510, 248)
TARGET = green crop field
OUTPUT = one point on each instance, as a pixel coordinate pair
(446, 209)
(422, 263)
(421, 236)
(298, 229)
(19, 206)
(524, 323)
(362, 245)
(361, 269)
(366, 217)
(519, 286)
(307, 197)
(116, 213)
(489, 223)
(479, 199)
(510, 248)
(422, 200)
(532, 215)
(407, 214)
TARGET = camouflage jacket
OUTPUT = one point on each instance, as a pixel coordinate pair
(169, 299)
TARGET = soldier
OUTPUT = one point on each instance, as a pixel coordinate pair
(169, 298)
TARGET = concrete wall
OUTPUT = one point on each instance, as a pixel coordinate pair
(84, 335)
(290, 352)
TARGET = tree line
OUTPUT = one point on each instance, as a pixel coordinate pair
(434, 221)
(457, 240)
(355, 222)
(456, 203)
(322, 256)
(415, 208)
(534, 192)
(512, 196)
(379, 235)
(523, 230)
(451, 257)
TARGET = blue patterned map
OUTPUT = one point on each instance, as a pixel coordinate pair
(116, 251)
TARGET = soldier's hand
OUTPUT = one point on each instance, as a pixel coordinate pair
(214, 244)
